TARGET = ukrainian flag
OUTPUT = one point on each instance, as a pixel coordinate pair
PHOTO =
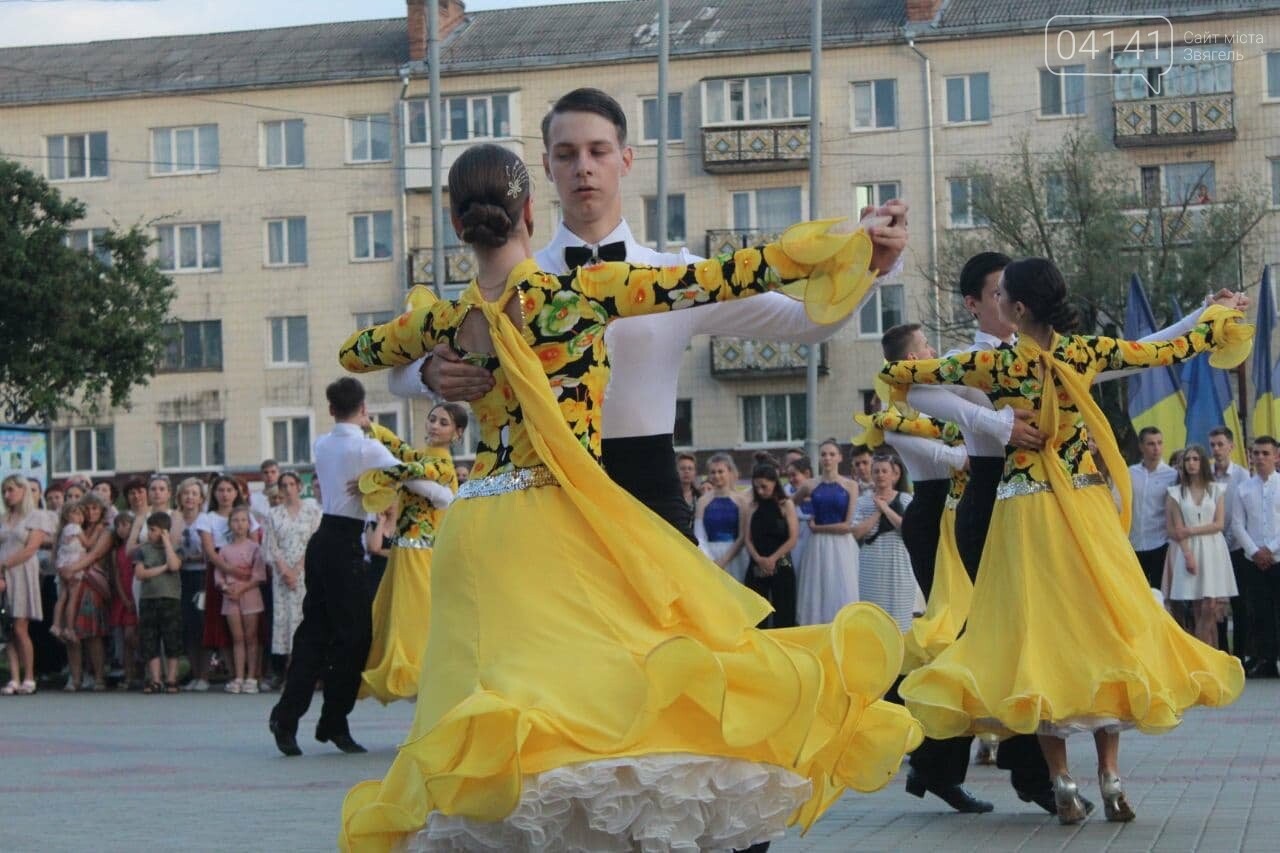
(1153, 394)
(1266, 411)
(1210, 402)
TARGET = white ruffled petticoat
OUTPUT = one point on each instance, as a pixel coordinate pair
(651, 803)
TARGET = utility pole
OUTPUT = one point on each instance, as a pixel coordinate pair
(815, 191)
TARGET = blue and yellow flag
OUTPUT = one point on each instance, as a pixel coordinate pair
(1266, 409)
(1210, 402)
(1154, 399)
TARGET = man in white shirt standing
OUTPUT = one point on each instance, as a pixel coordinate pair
(586, 156)
(1222, 444)
(1149, 534)
(1255, 523)
(332, 641)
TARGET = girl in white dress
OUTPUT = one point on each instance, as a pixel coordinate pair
(1201, 572)
(719, 519)
(829, 568)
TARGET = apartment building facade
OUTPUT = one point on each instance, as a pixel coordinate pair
(287, 173)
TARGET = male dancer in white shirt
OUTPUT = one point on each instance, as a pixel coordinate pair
(332, 641)
(1222, 444)
(1255, 522)
(586, 157)
(1151, 478)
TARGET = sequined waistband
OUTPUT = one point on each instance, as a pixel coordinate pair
(422, 543)
(1024, 487)
(508, 481)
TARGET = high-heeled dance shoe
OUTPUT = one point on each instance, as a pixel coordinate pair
(1066, 795)
(1114, 803)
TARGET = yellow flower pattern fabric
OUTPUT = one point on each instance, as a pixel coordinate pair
(418, 518)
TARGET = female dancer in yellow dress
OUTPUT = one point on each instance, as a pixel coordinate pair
(402, 607)
(592, 681)
(1064, 635)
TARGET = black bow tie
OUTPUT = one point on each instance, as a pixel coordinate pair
(576, 256)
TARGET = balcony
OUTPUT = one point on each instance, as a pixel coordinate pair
(1169, 225)
(755, 147)
(1175, 121)
(721, 241)
(417, 160)
(459, 265)
(741, 358)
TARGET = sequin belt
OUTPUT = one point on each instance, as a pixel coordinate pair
(508, 481)
(1025, 487)
(422, 543)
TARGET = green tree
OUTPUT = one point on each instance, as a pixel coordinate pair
(77, 331)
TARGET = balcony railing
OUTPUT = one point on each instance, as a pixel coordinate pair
(756, 147)
(745, 357)
(1175, 121)
(724, 240)
(459, 265)
(1167, 225)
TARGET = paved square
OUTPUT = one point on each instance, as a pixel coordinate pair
(124, 772)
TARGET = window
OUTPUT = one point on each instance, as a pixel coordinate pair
(1143, 74)
(193, 346)
(964, 192)
(682, 433)
(287, 241)
(1055, 196)
(967, 99)
(291, 439)
(874, 194)
(76, 156)
(1062, 91)
(1275, 183)
(1189, 183)
(282, 146)
(288, 341)
(370, 138)
(84, 449)
(389, 418)
(464, 117)
(767, 210)
(192, 444)
(875, 104)
(184, 150)
(371, 236)
(885, 309)
(649, 116)
(89, 240)
(675, 219)
(778, 97)
(366, 319)
(772, 418)
(190, 248)
(1273, 75)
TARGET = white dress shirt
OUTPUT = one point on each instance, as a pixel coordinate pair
(342, 455)
(926, 458)
(645, 352)
(1255, 520)
(1232, 478)
(1149, 529)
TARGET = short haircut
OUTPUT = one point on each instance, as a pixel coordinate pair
(268, 463)
(1148, 430)
(686, 457)
(1266, 439)
(160, 521)
(135, 483)
(586, 100)
(859, 450)
(346, 396)
(803, 465)
(976, 270)
(896, 341)
(1223, 431)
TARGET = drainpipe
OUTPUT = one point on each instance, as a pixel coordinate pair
(815, 190)
(926, 70)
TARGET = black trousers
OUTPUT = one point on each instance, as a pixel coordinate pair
(779, 589)
(1152, 563)
(1242, 645)
(1020, 754)
(332, 641)
(1263, 592)
(645, 466)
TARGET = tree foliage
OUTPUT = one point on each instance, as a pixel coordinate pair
(1084, 210)
(77, 331)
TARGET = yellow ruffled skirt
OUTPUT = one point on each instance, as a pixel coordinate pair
(948, 605)
(1064, 634)
(401, 617)
(545, 656)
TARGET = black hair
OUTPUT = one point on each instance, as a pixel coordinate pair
(767, 469)
(895, 341)
(1038, 284)
(976, 270)
(1266, 439)
(803, 465)
(586, 100)
(1224, 431)
(488, 186)
(345, 396)
(457, 413)
(1146, 431)
(160, 520)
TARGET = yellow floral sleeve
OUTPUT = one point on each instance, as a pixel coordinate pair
(1219, 331)
(977, 369)
(378, 485)
(400, 449)
(403, 340)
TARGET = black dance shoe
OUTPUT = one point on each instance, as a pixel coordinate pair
(342, 740)
(953, 795)
(1262, 668)
(286, 741)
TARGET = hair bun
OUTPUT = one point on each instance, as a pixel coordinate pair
(1063, 317)
(487, 225)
